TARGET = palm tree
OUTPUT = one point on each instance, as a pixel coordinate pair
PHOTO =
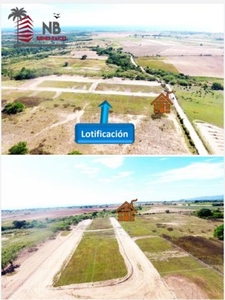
(17, 13)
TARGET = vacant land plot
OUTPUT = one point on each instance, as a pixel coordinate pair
(166, 46)
(65, 65)
(198, 65)
(48, 121)
(129, 88)
(200, 104)
(176, 264)
(157, 63)
(103, 260)
(65, 84)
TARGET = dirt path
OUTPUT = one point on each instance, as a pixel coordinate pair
(37, 272)
(144, 281)
(79, 91)
(34, 278)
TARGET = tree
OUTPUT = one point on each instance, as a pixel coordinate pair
(204, 213)
(20, 148)
(83, 57)
(17, 13)
(217, 86)
(19, 224)
(218, 232)
(13, 108)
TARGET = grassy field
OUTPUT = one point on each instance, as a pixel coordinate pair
(172, 224)
(129, 88)
(100, 223)
(120, 104)
(194, 236)
(201, 105)
(16, 240)
(90, 67)
(156, 63)
(103, 260)
(65, 84)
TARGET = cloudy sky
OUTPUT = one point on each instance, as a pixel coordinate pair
(173, 16)
(48, 181)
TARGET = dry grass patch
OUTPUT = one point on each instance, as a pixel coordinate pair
(97, 258)
(66, 84)
(129, 88)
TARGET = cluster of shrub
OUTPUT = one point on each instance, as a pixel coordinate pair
(207, 213)
(169, 77)
(186, 131)
(123, 60)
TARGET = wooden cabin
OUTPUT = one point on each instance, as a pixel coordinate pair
(126, 211)
(162, 104)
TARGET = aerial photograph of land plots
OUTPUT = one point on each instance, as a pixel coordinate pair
(157, 69)
(112, 227)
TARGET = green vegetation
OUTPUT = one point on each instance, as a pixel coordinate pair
(126, 69)
(201, 104)
(75, 152)
(103, 260)
(21, 234)
(219, 232)
(168, 259)
(207, 213)
(20, 148)
(120, 104)
(154, 244)
(210, 251)
(217, 86)
(13, 108)
(156, 63)
(65, 84)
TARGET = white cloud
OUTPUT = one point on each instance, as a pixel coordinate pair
(85, 169)
(194, 171)
(112, 162)
(117, 177)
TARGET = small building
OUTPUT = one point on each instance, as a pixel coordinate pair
(162, 103)
(126, 211)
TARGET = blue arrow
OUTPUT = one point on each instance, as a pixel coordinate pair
(105, 106)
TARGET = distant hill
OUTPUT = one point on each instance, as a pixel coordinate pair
(206, 198)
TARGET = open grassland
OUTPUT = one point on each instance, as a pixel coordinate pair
(100, 223)
(156, 63)
(65, 84)
(170, 239)
(120, 103)
(172, 224)
(210, 251)
(14, 241)
(56, 65)
(103, 260)
(201, 105)
(129, 88)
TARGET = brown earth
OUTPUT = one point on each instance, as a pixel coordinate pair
(183, 288)
(52, 130)
(52, 213)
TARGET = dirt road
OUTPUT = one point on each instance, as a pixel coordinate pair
(34, 278)
(195, 138)
(35, 275)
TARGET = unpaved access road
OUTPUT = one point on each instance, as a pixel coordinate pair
(35, 282)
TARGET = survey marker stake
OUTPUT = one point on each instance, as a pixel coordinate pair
(105, 106)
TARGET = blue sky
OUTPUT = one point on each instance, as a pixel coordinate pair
(48, 181)
(193, 17)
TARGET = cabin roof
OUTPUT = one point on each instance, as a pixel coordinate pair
(165, 98)
(129, 205)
